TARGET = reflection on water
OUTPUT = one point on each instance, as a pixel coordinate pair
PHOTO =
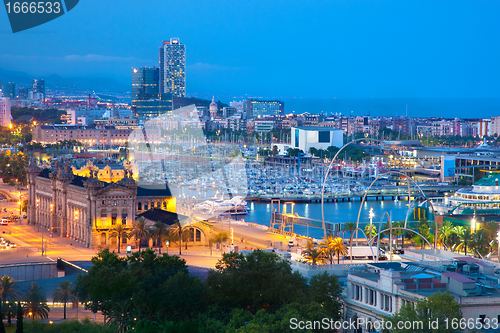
(334, 212)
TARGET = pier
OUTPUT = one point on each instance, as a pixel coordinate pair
(399, 193)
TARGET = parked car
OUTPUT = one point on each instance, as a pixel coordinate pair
(4, 222)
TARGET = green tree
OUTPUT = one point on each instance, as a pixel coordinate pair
(438, 307)
(370, 231)
(64, 294)
(35, 302)
(327, 291)
(259, 280)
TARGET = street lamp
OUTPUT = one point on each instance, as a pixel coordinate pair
(371, 215)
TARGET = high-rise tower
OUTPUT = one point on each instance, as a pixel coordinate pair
(173, 68)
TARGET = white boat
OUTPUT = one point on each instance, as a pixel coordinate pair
(483, 197)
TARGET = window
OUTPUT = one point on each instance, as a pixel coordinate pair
(296, 138)
(139, 206)
(323, 136)
(124, 238)
(482, 318)
(104, 217)
(103, 238)
(124, 219)
(113, 219)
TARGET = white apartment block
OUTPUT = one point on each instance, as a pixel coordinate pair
(5, 116)
(379, 290)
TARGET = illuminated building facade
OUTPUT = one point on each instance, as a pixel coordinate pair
(5, 117)
(87, 209)
(173, 67)
(257, 108)
(144, 84)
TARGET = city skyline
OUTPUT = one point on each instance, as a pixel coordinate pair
(257, 49)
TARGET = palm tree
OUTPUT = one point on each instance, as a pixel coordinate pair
(120, 315)
(64, 293)
(399, 232)
(159, 232)
(140, 230)
(35, 302)
(491, 229)
(178, 230)
(351, 227)
(464, 236)
(217, 238)
(9, 291)
(119, 231)
(326, 246)
(480, 242)
(445, 234)
(338, 248)
(313, 254)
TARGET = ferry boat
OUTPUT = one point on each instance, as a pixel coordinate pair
(482, 198)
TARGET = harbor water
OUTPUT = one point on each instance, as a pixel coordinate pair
(339, 212)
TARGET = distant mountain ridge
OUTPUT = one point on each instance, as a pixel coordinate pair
(74, 84)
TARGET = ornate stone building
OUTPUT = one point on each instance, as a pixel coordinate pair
(87, 209)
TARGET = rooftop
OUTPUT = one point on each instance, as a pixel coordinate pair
(491, 179)
(317, 128)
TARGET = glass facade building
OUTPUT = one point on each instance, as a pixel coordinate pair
(144, 84)
(257, 108)
(38, 86)
(173, 67)
(9, 90)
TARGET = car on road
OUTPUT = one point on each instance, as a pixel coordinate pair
(13, 245)
(4, 222)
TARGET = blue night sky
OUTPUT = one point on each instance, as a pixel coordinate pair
(377, 49)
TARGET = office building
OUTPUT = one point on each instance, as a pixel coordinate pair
(38, 89)
(5, 117)
(305, 138)
(1, 89)
(9, 90)
(154, 107)
(144, 84)
(173, 68)
(23, 93)
(257, 108)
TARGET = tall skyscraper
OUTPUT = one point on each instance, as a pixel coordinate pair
(5, 117)
(9, 90)
(144, 83)
(38, 87)
(173, 68)
(1, 89)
